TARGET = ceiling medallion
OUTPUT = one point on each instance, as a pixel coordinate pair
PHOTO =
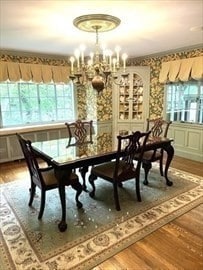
(103, 22)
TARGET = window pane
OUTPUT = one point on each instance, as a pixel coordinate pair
(5, 104)
(184, 102)
(15, 117)
(14, 104)
(4, 91)
(60, 102)
(31, 103)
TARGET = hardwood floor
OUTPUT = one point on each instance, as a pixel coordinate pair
(177, 245)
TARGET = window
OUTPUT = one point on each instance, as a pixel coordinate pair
(184, 102)
(25, 103)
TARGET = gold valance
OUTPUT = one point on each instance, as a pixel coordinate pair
(33, 72)
(182, 70)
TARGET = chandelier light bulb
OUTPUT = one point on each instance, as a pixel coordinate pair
(124, 57)
(91, 57)
(82, 49)
(77, 56)
(117, 50)
(77, 53)
(72, 60)
(103, 47)
(114, 64)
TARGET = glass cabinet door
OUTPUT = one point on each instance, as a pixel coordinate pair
(137, 100)
(124, 102)
(131, 99)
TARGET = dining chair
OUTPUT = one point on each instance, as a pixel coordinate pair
(44, 178)
(80, 132)
(159, 128)
(123, 168)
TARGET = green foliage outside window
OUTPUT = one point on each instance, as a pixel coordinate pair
(30, 103)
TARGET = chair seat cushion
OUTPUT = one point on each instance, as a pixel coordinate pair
(50, 179)
(106, 171)
(152, 155)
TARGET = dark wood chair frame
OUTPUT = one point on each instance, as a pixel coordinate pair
(80, 130)
(159, 128)
(37, 179)
(124, 167)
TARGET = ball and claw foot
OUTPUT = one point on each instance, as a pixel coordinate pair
(62, 226)
(145, 182)
(91, 194)
(169, 183)
(79, 205)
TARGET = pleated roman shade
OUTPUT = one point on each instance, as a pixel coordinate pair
(33, 72)
(182, 70)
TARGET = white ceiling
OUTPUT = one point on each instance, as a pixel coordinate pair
(147, 26)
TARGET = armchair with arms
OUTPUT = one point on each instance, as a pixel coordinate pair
(44, 178)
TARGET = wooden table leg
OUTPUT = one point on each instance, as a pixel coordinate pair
(63, 180)
(83, 172)
(170, 153)
(62, 225)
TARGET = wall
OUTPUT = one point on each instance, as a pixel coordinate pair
(98, 106)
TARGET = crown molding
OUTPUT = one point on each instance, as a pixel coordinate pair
(65, 57)
(164, 53)
(33, 54)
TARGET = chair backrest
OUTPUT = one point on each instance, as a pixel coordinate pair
(158, 127)
(130, 146)
(80, 129)
(31, 160)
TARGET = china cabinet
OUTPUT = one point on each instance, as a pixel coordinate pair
(131, 101)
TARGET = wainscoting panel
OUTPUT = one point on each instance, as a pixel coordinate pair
(9, 146)
(4, 153)
(179, 137)
(188, 140)
(14, 146)
(53, 135)
(193, 140)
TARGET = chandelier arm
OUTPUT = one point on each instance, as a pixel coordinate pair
(97, 46)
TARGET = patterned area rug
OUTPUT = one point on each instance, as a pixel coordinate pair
(95, 232)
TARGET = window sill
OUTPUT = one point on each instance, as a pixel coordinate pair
(187, 124)
(14, 130)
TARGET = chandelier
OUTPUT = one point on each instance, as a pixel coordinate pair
(101, 67)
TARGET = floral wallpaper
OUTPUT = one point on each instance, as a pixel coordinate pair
(98, 106)
(33, 60)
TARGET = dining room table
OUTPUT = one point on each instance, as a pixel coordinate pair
(65, 155)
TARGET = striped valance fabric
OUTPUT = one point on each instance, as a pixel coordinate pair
(182, 70)
(33, 72)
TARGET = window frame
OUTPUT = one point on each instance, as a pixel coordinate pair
(40, 123)
(167, 115)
